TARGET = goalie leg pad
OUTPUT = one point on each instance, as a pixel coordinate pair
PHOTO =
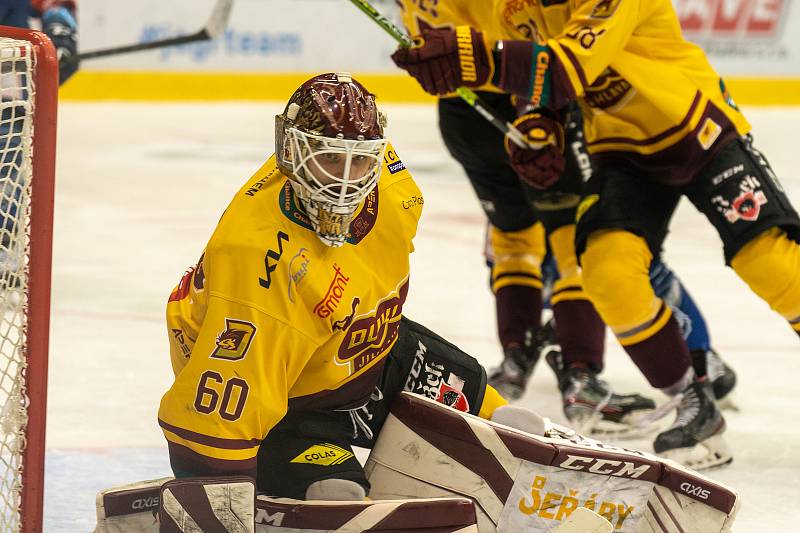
(524, 482)
(195, 505)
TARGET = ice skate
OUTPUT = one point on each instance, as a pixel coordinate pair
(511, 377)
(723, 380)
(695, 438)
(592, 408)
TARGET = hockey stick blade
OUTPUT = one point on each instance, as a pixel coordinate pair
(216, 25)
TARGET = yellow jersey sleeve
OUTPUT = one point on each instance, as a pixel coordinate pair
(232, 390)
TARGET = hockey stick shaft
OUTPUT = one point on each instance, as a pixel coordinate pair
(215, 25)
(468, 95)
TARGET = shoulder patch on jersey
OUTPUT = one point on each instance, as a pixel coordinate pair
(235, 340)
(324, 455)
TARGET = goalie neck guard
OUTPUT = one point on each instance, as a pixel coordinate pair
(329, 141)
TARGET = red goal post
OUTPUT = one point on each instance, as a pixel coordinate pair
(28, 108)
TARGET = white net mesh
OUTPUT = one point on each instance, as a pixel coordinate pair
(16, 134)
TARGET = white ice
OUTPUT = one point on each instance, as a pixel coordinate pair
(139, 189)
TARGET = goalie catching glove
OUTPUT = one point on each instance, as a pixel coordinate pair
(539, 168)
(442, 60)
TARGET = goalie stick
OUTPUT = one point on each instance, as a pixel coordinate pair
(215, 25)
(468, 95)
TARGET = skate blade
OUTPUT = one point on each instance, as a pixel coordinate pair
(625, 430)
(728, 403)
(710, 453)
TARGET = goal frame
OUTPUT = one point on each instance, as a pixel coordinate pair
(37, 330)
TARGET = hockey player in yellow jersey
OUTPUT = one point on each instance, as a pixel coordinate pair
(659, 124)
(287, 338)
(516, 245)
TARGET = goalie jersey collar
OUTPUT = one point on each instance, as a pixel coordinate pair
(361, 225)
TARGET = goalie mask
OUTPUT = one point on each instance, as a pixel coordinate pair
(329, 141)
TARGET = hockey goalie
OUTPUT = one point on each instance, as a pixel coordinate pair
(290, 348)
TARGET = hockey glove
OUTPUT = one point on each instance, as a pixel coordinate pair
(541, 167)
(59, 24)
(442, 60)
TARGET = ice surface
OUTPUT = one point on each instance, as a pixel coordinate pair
(141, 186)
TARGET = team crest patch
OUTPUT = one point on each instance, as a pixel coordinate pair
(604, 9)
(323, 455)
(234, 341)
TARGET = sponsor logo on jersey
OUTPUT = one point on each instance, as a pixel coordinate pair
(371, 335)
(396, 167)
(413, 202)
(180, 339)
(234, 341)
(323, 455)
(604, 9)
(731, 19)
(343, 324)
(333, 296)
(393, 162)
(298, 268)
(540, 92)
(271, 259)
(258, 185)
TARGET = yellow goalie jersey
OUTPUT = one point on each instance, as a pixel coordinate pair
(427, 14)
(648, 96)
(272, 319)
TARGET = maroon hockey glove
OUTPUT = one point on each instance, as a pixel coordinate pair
(444, 59)
(541, 167)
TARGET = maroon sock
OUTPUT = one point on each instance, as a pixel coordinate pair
(663, 358)
(581, 333)
(519, 308)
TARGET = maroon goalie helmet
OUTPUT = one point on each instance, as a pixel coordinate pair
(329, 141)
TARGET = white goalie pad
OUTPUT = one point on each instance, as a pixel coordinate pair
(523, 482)
(130, 508)
(135, 508)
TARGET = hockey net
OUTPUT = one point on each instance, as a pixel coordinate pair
(28, 92)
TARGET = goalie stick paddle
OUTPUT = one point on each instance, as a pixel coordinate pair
(215, 25)
(468, 95)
